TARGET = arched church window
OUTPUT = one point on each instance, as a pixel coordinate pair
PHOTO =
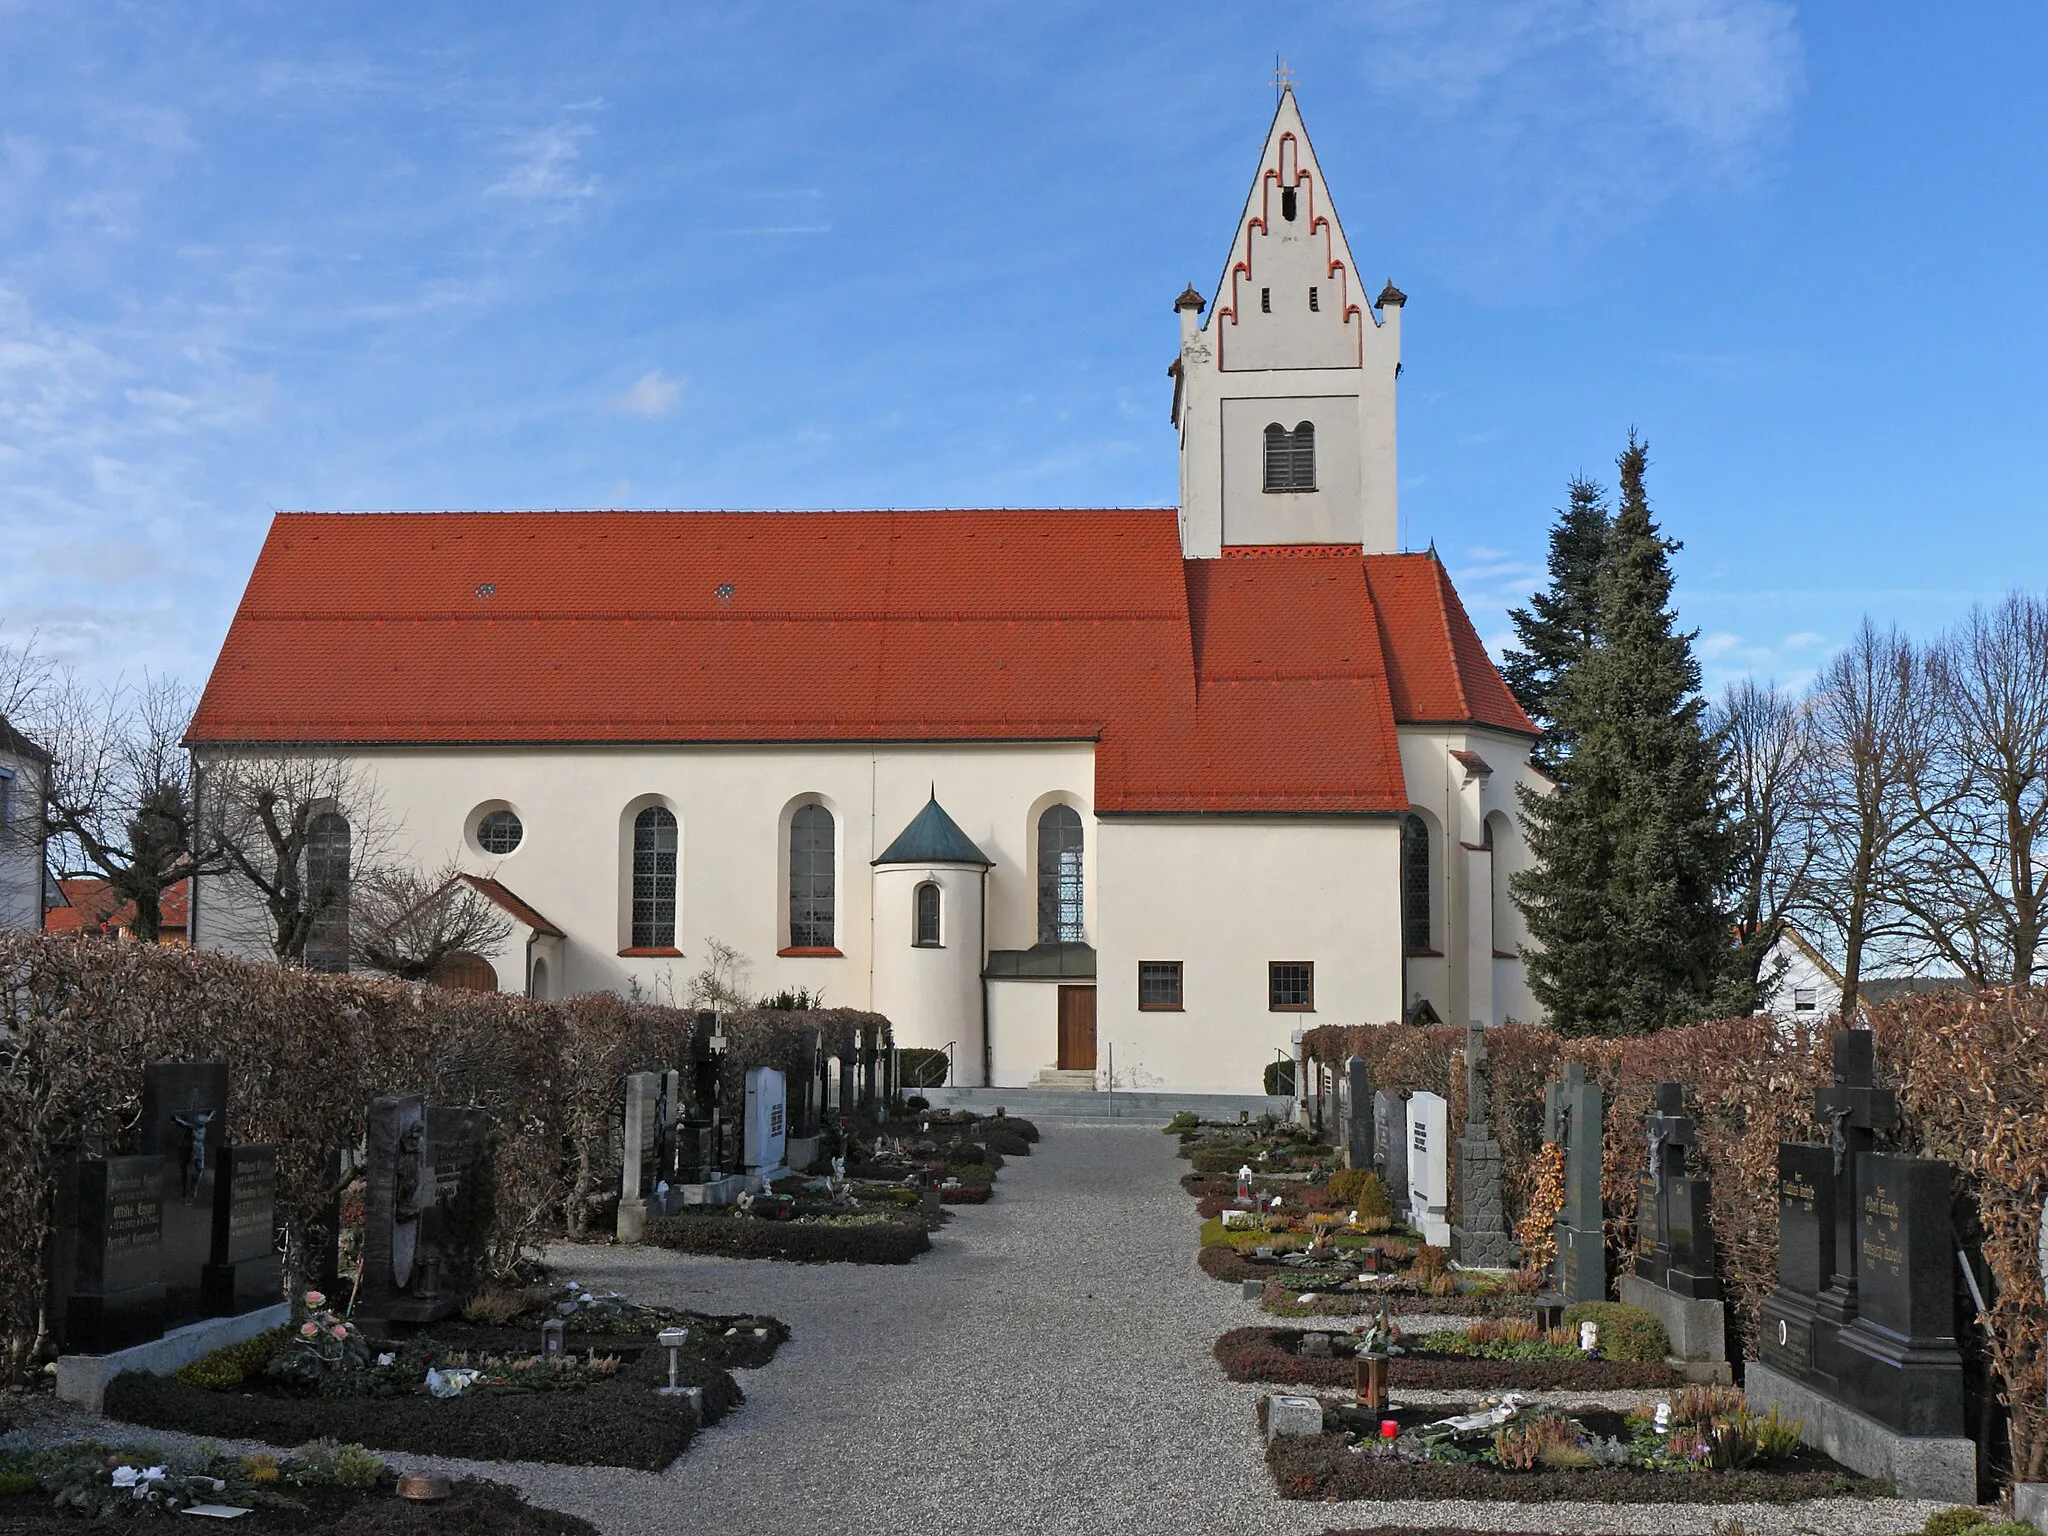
(1415, 930)
(812, 879)
(1059, 876)
(1287, 205)
(927, 916)
(327, 892)
(1291, 457)
(654, 878)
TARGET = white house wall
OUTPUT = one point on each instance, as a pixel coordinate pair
(1224, 896)
(21, 846)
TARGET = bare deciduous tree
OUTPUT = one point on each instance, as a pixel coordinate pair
(1769, 747)
(406, 922)
(722, 984)
(294, 831)
(1869, 718)
(1974, 890)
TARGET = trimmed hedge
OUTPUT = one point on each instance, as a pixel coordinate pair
(1268, 1354)
(736, 1237)
(1626, 1333)
(1324, 1467)
(615, 1423)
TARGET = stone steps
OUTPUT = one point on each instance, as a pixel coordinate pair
(1088, 1107)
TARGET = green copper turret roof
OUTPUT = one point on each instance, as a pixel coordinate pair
(933, 837)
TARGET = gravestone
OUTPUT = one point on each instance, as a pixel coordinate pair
(1898, 1361)
(455, 1230)
(184, 1125)
(1390, 1147)
(1675, 1258)
(1358, 1106)
(1574, 1120)
(108, 1278)
(651, 1141)
(767, 1123)
(1789, 1321)
(700, 1153)
(1429, 1176)
(244, 1270)
(1480, 1239)
(1855, 1110)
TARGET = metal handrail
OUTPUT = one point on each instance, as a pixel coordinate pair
(944, 1081)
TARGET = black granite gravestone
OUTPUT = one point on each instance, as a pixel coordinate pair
(1674, 1238)
(1898, 1361)
(1854, 1109)
(185, 1125)
(455, 1228)
(1358, 1142)
(244, 1270)
(700, 1151)
(1790, 1324)
(398, 1188)
(109, 1276)
(1574, 1119)
(1390, 1145)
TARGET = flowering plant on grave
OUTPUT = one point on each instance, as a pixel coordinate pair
(319, 1343)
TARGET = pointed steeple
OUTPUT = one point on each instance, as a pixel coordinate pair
(1284, 396)
(933, 837)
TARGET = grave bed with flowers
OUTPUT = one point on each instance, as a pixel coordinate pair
(1703, 1446)
(1488, 1354)
(322, 1487)
(563, 1377)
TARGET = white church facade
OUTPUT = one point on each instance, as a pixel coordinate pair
(1094, 792)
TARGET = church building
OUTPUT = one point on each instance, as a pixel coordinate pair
(1104, 797)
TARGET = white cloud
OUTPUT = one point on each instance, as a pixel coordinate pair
(546, 169)
(653, 395)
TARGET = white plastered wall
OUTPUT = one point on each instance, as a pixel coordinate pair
(931, 994)
(1474, 923)
(21, 845)
(1224, 896)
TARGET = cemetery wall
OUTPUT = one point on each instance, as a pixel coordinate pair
(306, 1053)
(1971, 1072)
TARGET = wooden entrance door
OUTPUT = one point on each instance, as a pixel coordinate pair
(1077, 1029)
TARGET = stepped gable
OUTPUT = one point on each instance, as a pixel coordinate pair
(1263, 682)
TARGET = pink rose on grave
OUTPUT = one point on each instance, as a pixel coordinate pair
(340, 1332)
(315, 1299)
(309, 1330)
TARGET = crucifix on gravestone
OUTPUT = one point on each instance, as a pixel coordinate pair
(1854, 1109)
(1480, 1239)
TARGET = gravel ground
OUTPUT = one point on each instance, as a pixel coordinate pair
(1045, 1369)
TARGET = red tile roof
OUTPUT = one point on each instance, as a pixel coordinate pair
(519, 911)
(1267, 681)
(92, 908)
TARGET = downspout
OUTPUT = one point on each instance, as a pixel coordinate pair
(532, 937)
(988, 1047)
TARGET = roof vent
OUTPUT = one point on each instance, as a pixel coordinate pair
(487, 589)
(725, 591)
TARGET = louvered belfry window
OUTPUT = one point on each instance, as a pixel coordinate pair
(1059, 876)
(1291, 457)
(812, 879)
(654, 878)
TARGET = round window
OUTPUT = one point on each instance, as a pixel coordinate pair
(499, 832)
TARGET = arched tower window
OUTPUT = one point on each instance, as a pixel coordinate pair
(1415, 930)
(927, 916)
(654, 878)
(327, 892)
(1059, 876)
(812, 878)
(1291, 457)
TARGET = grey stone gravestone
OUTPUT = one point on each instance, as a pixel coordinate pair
(1789, 1321)
(1390, 1147)
(1429, 1167)
(767, 1123)
(398, 1188)
(245, 1270)
(1480, 1238)
(108, 1278)
(651, 1141)
(185, 1125)
(1358, 1105)
(1898, 1361)
(1574, 1119)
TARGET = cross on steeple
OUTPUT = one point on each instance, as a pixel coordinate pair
(1283, 77)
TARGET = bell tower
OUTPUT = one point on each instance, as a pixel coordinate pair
(1284, 396)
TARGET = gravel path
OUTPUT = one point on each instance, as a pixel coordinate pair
(1045, 1369)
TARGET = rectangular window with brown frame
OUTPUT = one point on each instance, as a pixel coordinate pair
(1159, 986)
(1291, 986)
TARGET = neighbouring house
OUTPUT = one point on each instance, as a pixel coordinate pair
(90, 906)
(24, 838)
(1810, 985)
(1050, 788)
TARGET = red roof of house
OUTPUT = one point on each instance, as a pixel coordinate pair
(1270, 680)
(92, 908)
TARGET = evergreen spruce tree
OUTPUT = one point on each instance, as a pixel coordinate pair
(1556, 629)
(1632, 849)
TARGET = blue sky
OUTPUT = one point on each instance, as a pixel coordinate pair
(909, 254)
